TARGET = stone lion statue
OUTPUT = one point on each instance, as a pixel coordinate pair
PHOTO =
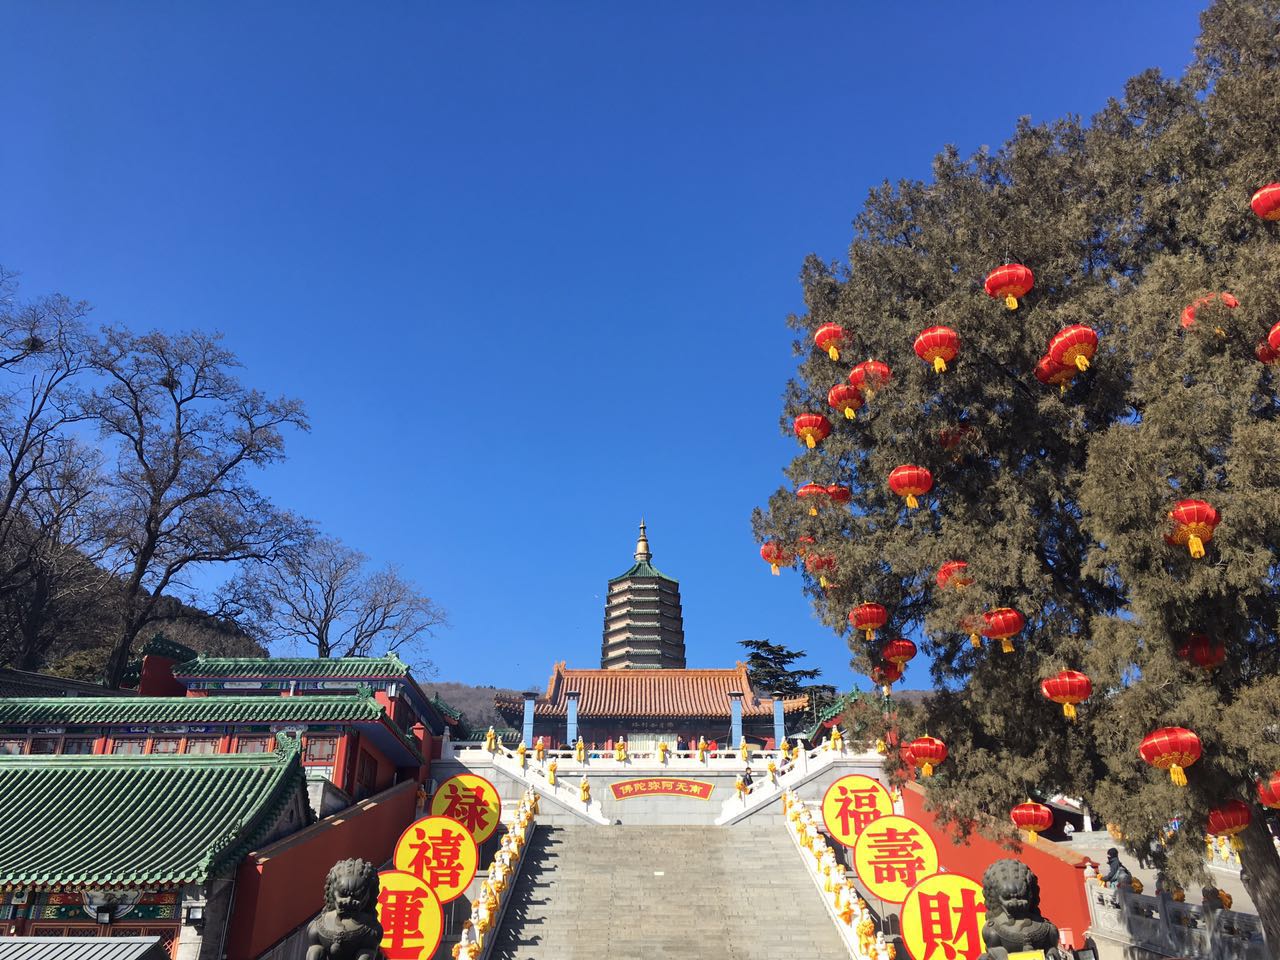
(348, 929)
(1014, 921)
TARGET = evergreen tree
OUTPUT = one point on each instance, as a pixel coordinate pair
(770, 672)
(1059, 501)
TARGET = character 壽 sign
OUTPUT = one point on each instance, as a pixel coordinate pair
(851, 803)
(942, 918)
(471, 800)
(411, 918)
(892, 855)
(438, 851)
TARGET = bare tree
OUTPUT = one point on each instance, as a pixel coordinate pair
(186, 433)
(323, 598)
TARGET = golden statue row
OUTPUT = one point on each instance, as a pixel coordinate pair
(787, 750)
(498, 882)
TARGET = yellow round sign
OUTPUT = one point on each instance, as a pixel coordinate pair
(411, 918)
(892, 855)
(942, 918)
(471, 800)
(851, 803)
(439, 852)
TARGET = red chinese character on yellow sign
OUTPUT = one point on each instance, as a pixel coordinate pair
(942, 918)
(411, 918)
(892, 855)
(471, 800)
(851, 803)
(439, 852)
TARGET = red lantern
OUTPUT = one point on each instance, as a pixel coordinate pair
(803, 544)
(1074, 347)
(886, 674)
(1273, 338)
(952, 573)
(1266, 202)
(1264, 352)
(1031, 817)
(1068, 688)
(899, 651)
(1050, 373)
(775, 555)
(1189, 312)
(1173, 749)
(818, 564)
(1269, 791)
(909, 481)
(1228, 820)
(926, 753)
(870, 376)
(839, 495)
(1002, 624)
(847, 399)
(812, 428)
(1009, 282)
(812, 494)
(829, 337)
(1193, 523)
(937, 345)
(868, 617)
(1203, 651)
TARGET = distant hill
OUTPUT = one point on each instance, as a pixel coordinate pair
(476, 703)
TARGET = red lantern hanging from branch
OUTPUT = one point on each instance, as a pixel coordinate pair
(1073, 347)
(814, 494)
(886, 674)
(1264, 353)
(909, 481)
(952, 574)
(1193, 524)
(899, 651)
(847, 399)
(1269, 791)
(1173, 749)
(938, 346)
(1266, 202)
(1031, 817)
(868, 617)
(839, 495)
(1008, 283)
(1002, 623)
(812, 428)
(1054, 374)
(819, 565)
(1228, 820)
(870, 376)
(776, 556)
(1273, 338)
(926, 753)
(830, 338)
(1189, 311)
(1068, 688)
(1203, 651)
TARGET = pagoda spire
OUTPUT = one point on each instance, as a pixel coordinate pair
(642, 546)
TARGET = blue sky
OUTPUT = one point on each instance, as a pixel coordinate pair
(527, 264)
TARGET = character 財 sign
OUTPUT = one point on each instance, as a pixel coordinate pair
(438, 851)
(851, 804)
(471, 800)
(942, 918)
(892, 855)
(626, 789)
(411, 918)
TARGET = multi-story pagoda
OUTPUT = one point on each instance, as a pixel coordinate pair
(643, 625)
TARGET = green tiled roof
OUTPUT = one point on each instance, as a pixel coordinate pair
(643, 568)
(448, 711)
(145, 711)
(291, 667)
(831, 711)
(159, 645)
(106, 821)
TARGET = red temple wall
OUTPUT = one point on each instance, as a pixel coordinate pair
(282, 886)
(1061, 870)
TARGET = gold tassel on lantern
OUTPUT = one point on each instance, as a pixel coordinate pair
(975, 640)
(850, 413)
(809, 441)
(1006, 645)
(833, 353)
(939, 365)
(1069, 711)
(927, 770)
(912, 502)
(1082, 362)
(1196, 546)
(773, 568)
(1011, 302)
(1177, 775)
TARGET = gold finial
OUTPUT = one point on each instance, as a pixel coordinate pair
(642, 545)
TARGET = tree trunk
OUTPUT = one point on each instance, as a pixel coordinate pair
(1262, 878)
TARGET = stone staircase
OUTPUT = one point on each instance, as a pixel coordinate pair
(653, 893)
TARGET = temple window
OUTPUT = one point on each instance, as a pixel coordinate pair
(252, 744)
(128, 745)
(202, 745)
(165, 745)
(78, 746)
(320, 750)
(44, 746)
(11, 747)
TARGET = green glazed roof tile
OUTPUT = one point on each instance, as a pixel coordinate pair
(213, 668)
(643, 568)
(153, 820)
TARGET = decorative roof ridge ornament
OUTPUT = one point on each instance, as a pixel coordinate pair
(642, 554)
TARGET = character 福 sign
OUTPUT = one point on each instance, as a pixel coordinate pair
(441, 853)
(851, 804)
(471, 800)
(666, 786)
(411, 918)
(892, 855)
(942, 918)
